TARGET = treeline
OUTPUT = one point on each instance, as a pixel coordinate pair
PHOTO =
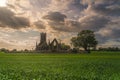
(15, 50)
(74, 50)
(109, 49)
(63, 47)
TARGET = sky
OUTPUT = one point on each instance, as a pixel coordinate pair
(22, 21)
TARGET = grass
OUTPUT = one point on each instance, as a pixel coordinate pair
(95, 66)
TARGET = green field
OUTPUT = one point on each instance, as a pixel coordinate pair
(95, 66)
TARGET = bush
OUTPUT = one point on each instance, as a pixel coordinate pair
(75, 50)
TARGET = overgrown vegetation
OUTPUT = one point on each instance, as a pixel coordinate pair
(94, 66)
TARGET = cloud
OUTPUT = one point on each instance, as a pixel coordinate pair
(55, 17)
(60, 22)
(112, 28)
(10, 20)
(93, 22)
(39, 24)
(104, 7)
(64, 16)
(18, 39)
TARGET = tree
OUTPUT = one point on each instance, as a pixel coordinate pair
(26, 50)
(14, 50)
(4, 50)
(65, 47)
(85, 39)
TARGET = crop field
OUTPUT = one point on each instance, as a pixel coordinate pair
(94, 66)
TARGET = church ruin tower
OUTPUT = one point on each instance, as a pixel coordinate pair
(43, 38)
(43, 43)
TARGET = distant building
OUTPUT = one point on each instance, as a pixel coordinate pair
(44, 46)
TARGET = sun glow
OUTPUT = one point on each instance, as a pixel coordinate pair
(3, 3)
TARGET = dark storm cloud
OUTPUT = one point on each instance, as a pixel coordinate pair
(113, 33)
(56, 21)
(94, 22)
(116, 33)
(55, 17)
(109, 33)
(9, 19)
(107, 10)
(59, 22)
(106, 7)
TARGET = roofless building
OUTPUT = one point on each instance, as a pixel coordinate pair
(44, 46)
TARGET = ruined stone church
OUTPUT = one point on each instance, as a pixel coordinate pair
(44, 45)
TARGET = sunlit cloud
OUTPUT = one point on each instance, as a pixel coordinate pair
(58, 17)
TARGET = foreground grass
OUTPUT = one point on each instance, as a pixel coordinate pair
(95, 66)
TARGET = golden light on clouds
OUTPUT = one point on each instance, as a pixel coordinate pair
(2, 3)
(23, 19)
